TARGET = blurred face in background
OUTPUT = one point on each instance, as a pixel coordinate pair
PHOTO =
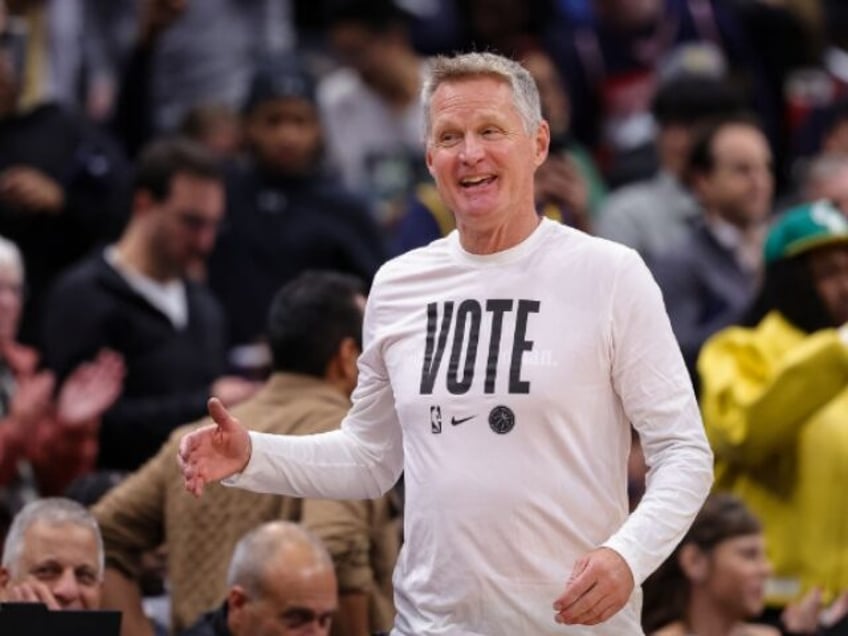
(377, 55)
(184, 225)
(285, 134)
(828, 268)
(740, 185)
(737, 573)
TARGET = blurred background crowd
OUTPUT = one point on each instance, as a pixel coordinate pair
(167, 165)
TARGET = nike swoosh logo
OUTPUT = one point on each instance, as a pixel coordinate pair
(460, 420)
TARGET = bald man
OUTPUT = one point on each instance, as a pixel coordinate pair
(281, 583)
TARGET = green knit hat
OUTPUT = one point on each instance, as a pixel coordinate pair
(804, 228)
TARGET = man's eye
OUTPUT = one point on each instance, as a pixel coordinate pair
(86, 577)
(46, 572)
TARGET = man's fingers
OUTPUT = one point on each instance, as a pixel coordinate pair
(578, 584)
(595, 607)
(572, 612)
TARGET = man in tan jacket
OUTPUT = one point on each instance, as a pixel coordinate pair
(314, 334)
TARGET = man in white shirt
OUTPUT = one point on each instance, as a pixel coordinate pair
(502, 367)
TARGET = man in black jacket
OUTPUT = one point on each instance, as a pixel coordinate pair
(136, 297)
(285, 214)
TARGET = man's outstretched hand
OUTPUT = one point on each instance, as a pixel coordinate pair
(599, 586)
(213, 452)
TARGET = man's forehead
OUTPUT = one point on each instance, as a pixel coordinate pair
(45, 540)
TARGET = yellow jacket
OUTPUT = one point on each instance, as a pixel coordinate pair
(775, 408)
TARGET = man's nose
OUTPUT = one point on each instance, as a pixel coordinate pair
(471, 150)
(66, 589)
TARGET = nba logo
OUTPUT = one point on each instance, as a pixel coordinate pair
(435, 419)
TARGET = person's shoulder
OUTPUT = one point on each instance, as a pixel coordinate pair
(420, 259)
(83, 275)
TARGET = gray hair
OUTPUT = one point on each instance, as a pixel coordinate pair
(11, 255)
(525, 94)
(52, 511)
(256, 550)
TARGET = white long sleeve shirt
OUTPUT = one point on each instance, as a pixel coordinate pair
(503, 387)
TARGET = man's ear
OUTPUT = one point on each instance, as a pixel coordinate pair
(543, 141)
(349, 352)
(694, 562)
(428, 158)
(5, 577)
(236, 602)
(341, 369)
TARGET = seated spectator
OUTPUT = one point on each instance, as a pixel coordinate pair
(774, 403)
(136, 298)
(315, 326)
(284, 213)
(48, 433)
(53, 555)
(714, 582)
(710, 278)
(280, 581)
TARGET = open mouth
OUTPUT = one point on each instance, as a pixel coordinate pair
(476, 182)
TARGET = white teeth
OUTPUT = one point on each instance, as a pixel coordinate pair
(473, 180)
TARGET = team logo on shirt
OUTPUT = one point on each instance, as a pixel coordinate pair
(501, 420)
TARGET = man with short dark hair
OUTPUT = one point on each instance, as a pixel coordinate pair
(654, 215)
(137, 298)
(709, 279)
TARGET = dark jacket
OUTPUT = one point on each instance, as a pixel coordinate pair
(169, 370)
(93, 175)
(275, 229)
(210, 624)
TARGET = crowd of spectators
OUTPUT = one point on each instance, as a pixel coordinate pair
(166, 166)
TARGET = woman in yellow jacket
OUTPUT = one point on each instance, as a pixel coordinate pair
(775, 404)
